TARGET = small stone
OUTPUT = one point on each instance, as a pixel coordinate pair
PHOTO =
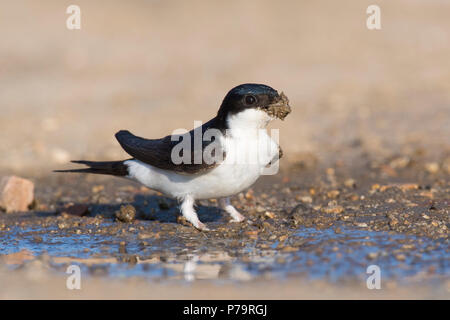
(16, 194)
(408, 186)
(122, 247)
(375, 187)
(286, 190)
(333, 194)
(269, 214)
(249, 194)
(127, 213)
(143, 236)
(338, 230)
(372, 255)
(402, 186)
(361, 224)
(289, 249)
(62, 225)
(427, 194)
(281, 260)
(393, 222)
(400, 162)
(350, 183)
(400, 257)
(304, 199)
(432, 167)
(333, 207)
(98, 188)
(182, 220)
(260, 209)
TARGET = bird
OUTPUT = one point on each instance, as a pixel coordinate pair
(212, 161)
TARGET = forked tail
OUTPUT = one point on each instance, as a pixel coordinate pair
(115, 168)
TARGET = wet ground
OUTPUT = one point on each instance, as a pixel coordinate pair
(309, 223)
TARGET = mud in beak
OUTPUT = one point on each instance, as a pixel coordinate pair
(280, 108)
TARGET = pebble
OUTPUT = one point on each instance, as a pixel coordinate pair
(97, 188)
(127, 213)
(400, 257)
(361, 225)
(16, 194)
(350, 183)
(333, 207)
(122, 247)
(260, 209)
(289, 249)
(333, 194)
(432, 167)
(400, 162)
(393, 222)
(269, 214)
(372, 255)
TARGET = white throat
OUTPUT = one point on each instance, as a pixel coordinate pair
(249, 119)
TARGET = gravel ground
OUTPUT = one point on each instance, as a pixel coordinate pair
(315, 224)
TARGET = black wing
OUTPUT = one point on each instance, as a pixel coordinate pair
(158, 152)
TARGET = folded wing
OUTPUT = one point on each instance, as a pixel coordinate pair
(158, 152)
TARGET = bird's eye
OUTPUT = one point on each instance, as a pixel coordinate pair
(250, 99)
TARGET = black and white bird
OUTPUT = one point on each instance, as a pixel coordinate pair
(237, 130)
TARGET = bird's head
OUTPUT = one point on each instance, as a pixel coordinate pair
(253, 105)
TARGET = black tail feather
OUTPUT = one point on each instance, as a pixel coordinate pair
(115, 168)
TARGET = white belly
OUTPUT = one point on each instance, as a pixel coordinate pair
(239, 171)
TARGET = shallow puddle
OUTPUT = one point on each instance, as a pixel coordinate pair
(333, 254)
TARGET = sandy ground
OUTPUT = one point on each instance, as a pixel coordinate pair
(372, 106)
(53, 287)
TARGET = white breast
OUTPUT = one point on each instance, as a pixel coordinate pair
(244, 162)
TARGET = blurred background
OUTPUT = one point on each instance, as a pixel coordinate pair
(154, 66)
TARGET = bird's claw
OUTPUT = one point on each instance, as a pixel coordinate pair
(201, 226)
(237, 219)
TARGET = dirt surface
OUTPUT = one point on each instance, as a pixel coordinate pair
(364, 180)
(308, 225)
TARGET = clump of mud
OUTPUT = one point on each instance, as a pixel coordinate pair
(281, 108)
